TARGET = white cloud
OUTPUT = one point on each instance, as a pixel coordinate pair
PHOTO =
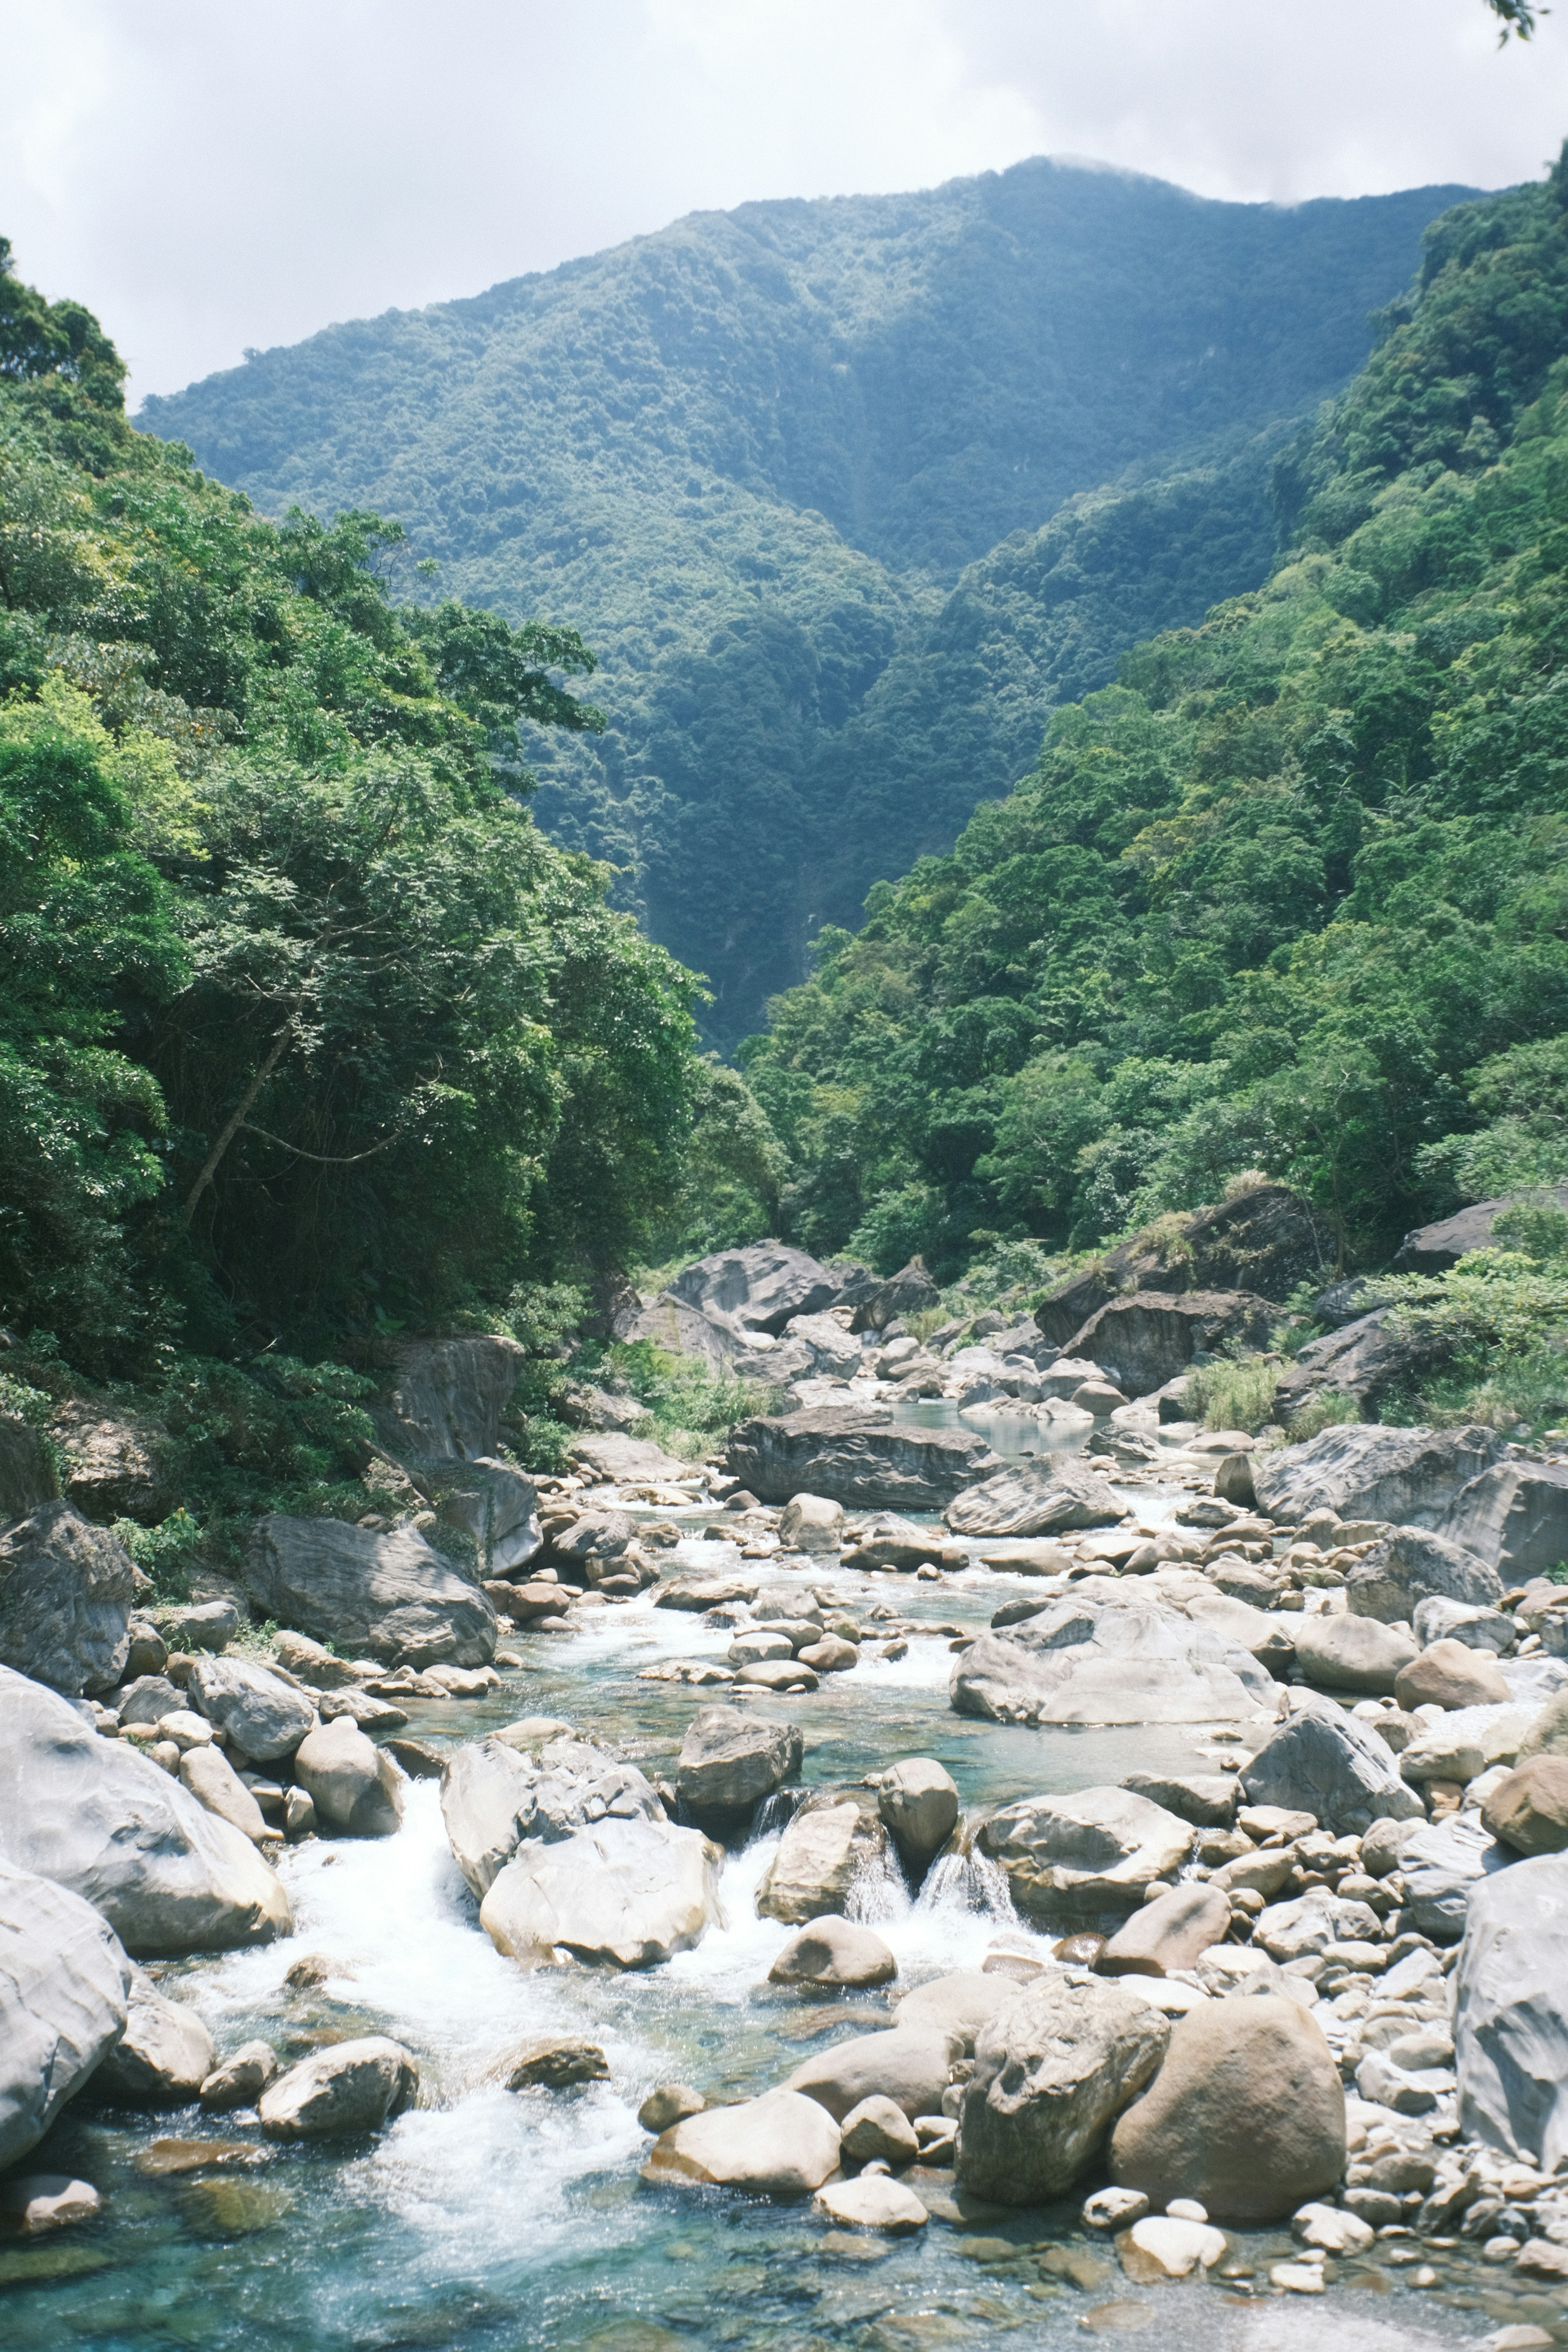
(208, 178)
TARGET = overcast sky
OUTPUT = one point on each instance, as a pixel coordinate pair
(207, 177)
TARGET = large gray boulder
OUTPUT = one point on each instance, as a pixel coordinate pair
(1332, 1765)
(1359, 1471)
(163, 2056)
(1366, 1359)
(781, 2145)
(65, 1990)
(830, 1845)
(834, 1349)
(1432, 1249)
(1264, 1239)
(758, 1289)
(1109, 1662)
(622, 1460)
(729, 1759)
(379, 1596)
(683, 1330)
(854, 1458)
(911, 2064)
(626, 1894)
(1513, 1516)
(1444, 1863)
(446, 1397)
(491, 1509)
(1247, 2114)
(1352, 1654)
(1410, 1565)
(28, 1477)
(961, 2003)
(1510, 2012)
(353, 2086)
(1041, 1500)
(1075, 1858)
(354, 1785)
(66, 1594)
(1053, 2070)
(257, 1711)
(106, 1822)
(911, 1291)
(494, 1796)
(1150, 1337)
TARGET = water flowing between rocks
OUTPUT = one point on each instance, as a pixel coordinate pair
(492, 2219)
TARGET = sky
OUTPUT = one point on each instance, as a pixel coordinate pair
(208, 178)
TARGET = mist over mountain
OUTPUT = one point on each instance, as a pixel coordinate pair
(846, 494)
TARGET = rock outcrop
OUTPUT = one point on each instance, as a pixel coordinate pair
(446, 1398)
(1264, 1240)
(379, 1596)
(1151, 1335)
(162, 2058)
(1514, 1516)
(1359, 1471)
(354, 1786)
(258, 1712)
(758, 1289)
(1367, 1359)
(106, 1822)
(831, 1842)
(66, 1595)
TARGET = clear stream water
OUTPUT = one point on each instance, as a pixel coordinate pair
(495, 2220)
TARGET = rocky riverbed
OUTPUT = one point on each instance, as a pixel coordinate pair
(1128, 1900)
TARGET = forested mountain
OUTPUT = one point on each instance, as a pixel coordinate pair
(845, 495)
(306, 1029)
(1293, 893)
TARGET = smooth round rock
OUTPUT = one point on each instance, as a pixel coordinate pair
(873, 2202)
(1529, 1810)
(1450, 1675)
(667, 2103)
(878, 2132)
(833, 1951)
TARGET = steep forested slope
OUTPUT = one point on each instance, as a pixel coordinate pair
(793, 472)
(306, 1031)
(1293, 893)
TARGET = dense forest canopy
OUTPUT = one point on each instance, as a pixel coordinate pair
(1293, 895)
(846, 495)
(306, 1029)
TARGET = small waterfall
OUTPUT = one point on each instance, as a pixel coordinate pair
(969, 1883)
(878, 1893)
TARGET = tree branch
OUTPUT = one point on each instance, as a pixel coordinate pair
(236, 1120)
(323, 1159)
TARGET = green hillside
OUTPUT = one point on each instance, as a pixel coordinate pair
(1293, 893)
(803, 475)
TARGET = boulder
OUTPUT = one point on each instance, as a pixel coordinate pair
(1359, 1471)
(353, 1785)
(667, 2103)
(1548, 1731)
(256, 1711)
(1173, 1931)
(911, 1291)
(893, 1542)
(911, 2065)
(379, 1596)
(498, 1791)
(683, 1331)
(1053, 2070)
(759, 1287)
(1442, 1863)
(65, 1990)
(1247, 2114)
(1460, 1745)
(1514, 1515)
(1109, 1662)
(1354, 1653)
(729, 1759)
(833, 1951)
(213, 1782)
(1411, 1565)
(781, 2145)
(446, 1397)
(872, 2203)
(626, 1893)
(918, 1806)
(489, 1507)
(199, 1625)
(960, 2005)
(1332, 1767)
(65, 1590)
(1152, 1336)
(147, 1700)
(1207, 1799)
(1438, 1620)
(1511, 2013)
(240, 2080)
(1264, 1636)
(1367, 1359)
(878, 2131)
(1529, 1810)
(631, 1461)
(812, 1522)
(1044, 1499)
(105, 1822)
(1432, 1249)
(28, 1479)
(162, 2058)
(1265, 1240)
(835, 1352)
(1310, 1924)
(111, 1468)
(1072, 1859)
(1450, 1674)
(824, 1849)
(554, 2062)
(854, 1458)
(351, 2087)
